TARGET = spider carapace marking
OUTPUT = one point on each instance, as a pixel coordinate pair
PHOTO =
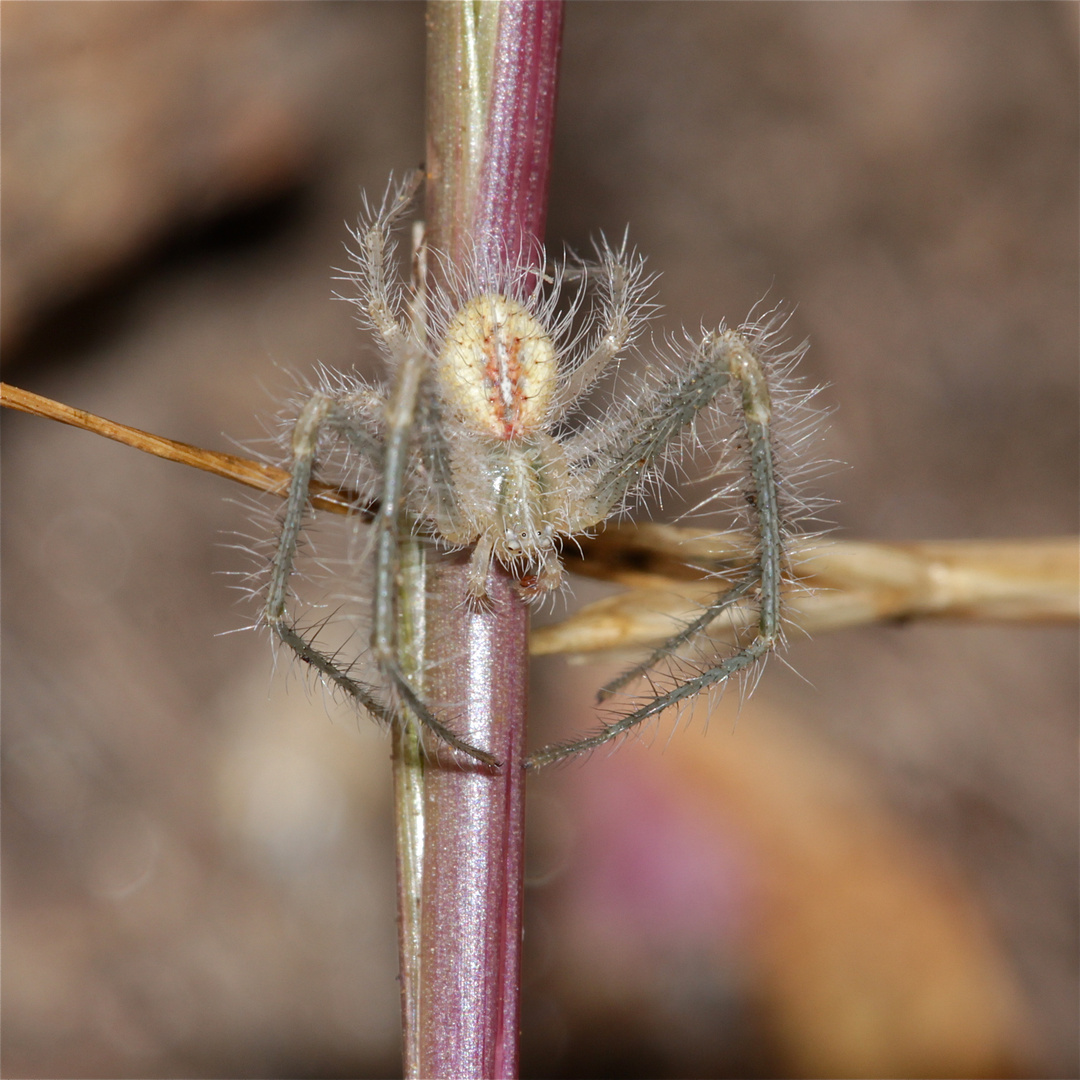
(492, 436)
(496, 374)
(498, 365)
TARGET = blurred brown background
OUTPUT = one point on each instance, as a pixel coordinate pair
(872, 873)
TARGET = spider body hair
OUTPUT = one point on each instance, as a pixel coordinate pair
(487, 436)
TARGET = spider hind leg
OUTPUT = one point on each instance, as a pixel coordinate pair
(673, 644)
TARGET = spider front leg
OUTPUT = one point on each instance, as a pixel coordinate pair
(721, 357)
(623, 307)
(318, 412)
(323, 411)
(400, 417)
(403, 346)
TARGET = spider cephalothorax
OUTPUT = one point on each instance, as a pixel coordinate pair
(473, 442)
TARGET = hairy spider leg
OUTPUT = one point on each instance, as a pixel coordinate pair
(305, 439)
(401, 409)
(323, 411)
(433, 463)
(400, 413)
(622, 282)
(721, 357)
(687, 633)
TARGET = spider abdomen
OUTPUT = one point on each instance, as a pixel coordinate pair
(497, 367)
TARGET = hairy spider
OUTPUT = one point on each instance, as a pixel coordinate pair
(472, 444)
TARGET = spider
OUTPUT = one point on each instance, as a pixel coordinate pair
(472, 444)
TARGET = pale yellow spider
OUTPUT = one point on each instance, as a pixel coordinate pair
(469, 444)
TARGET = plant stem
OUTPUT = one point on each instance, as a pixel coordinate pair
(492, 71)
(474, 837)
(492, 77)
(409, 815)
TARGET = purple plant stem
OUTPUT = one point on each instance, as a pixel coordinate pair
(488, 190)
(474, 838)
(492, 75)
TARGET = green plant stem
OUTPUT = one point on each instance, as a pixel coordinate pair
(408, 761)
